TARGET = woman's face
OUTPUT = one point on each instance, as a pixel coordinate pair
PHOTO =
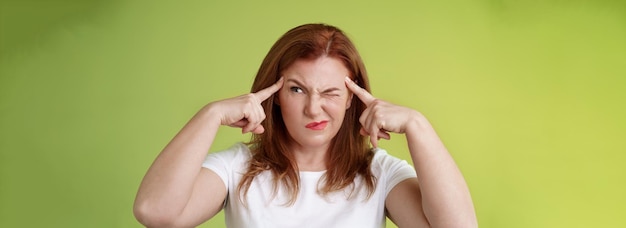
(313, 101)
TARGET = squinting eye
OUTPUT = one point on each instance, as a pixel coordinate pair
(296, 89)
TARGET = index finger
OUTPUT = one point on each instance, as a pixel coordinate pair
(267, 92)
(361, 93)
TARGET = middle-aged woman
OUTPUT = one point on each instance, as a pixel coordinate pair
(309, 163)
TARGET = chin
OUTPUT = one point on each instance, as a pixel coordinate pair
(314, 141)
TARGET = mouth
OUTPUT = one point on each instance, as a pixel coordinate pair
(317, 125)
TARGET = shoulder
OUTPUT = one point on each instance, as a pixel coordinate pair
(235, 155)
(237, 150)
(390, 170)
(384, 161)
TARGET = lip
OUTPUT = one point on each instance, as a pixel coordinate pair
(317, 125)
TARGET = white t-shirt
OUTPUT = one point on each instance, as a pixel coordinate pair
(310, 208)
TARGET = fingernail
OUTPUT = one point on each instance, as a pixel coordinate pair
(348, 79)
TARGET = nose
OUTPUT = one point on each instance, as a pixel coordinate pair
(313, 106)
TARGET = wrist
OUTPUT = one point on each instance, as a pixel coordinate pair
(418, 124)
(210, 114)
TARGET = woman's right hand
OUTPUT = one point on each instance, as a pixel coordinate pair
(245, 111)
(176, 194)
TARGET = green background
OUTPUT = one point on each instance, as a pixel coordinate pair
(528, 95)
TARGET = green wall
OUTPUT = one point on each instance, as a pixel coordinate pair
(528, 95)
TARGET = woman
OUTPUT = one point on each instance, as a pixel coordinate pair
(309, 163)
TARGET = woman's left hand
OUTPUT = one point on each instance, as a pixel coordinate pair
(441, 196)
(381, 117)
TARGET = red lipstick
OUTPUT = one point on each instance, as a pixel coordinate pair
(317, 125)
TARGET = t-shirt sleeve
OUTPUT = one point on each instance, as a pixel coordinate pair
(222, 162)
(395, 170)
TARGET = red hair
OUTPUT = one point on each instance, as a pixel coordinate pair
(349, 154)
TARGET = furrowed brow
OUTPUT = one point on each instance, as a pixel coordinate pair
(330, 90)
(298, 83)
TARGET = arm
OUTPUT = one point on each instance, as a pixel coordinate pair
(176, 191)
(444, 195)
(441, 197)
(176, 177)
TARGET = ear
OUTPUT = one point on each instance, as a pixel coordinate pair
(276, 99)
(349, 101)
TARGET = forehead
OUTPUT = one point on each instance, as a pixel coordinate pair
(323, 71)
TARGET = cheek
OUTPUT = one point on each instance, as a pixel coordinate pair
(340, 101)
(336, 106)
(288, 104)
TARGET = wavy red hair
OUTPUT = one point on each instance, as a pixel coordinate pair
(349, 154)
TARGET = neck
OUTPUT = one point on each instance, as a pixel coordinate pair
(310, 159)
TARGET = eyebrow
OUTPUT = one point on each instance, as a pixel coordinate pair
(300, 84)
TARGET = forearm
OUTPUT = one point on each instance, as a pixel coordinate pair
(168, 184)
(446, 198)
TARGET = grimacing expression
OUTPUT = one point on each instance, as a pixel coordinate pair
(314, 100)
